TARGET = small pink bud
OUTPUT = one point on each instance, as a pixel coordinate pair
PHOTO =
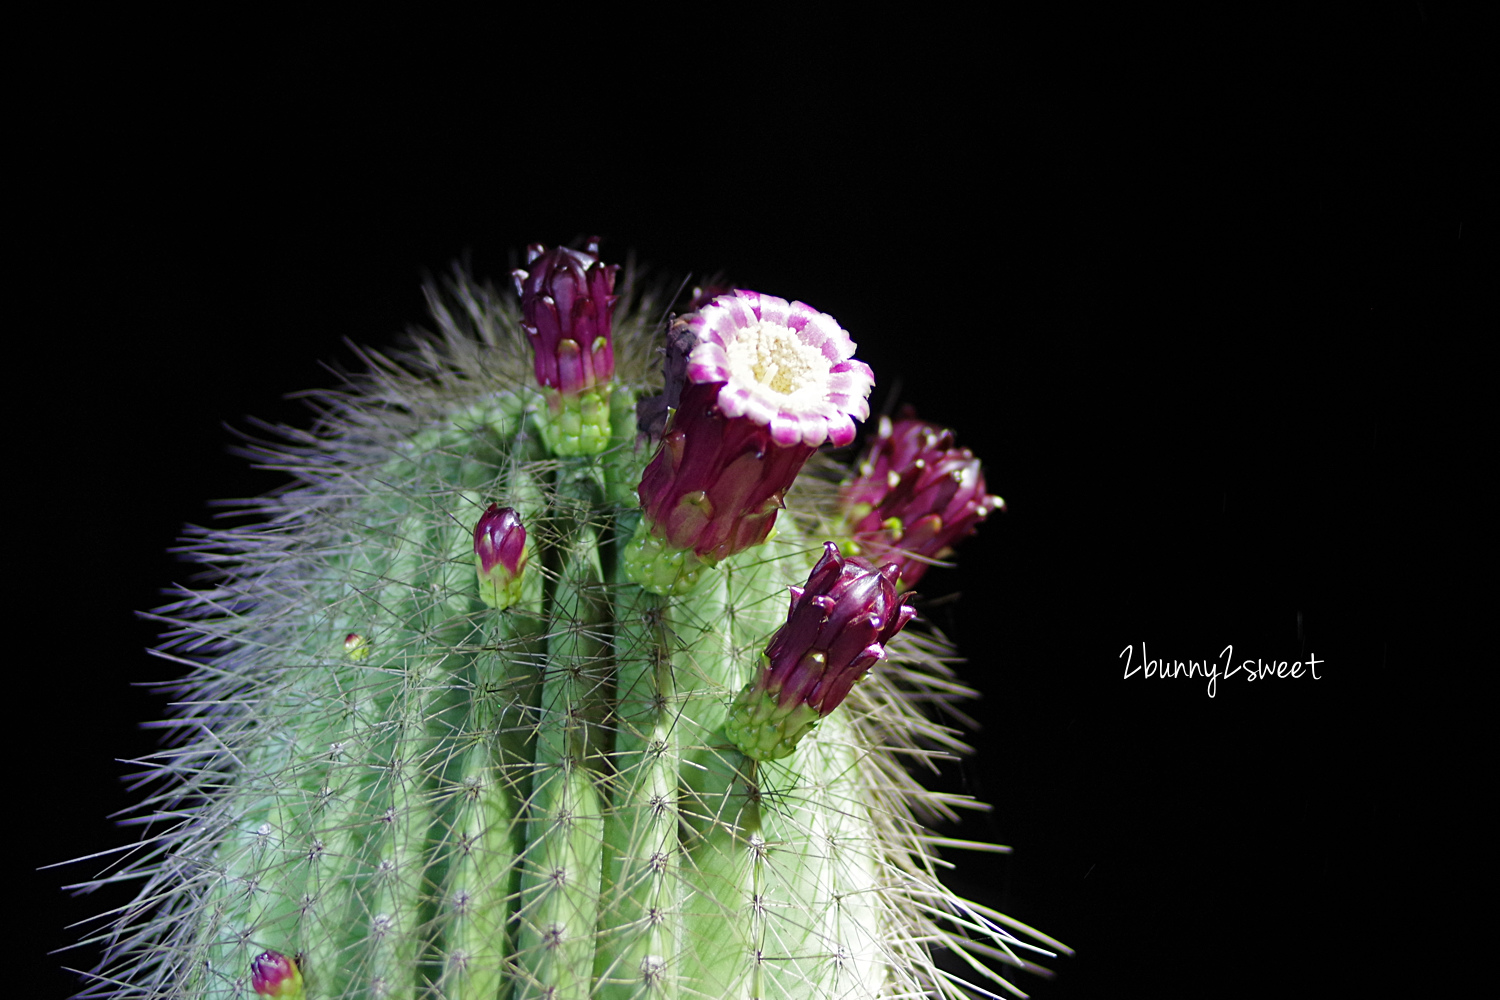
(500, 555)
(272, 974)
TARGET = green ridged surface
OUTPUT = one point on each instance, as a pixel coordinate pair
(537, 802)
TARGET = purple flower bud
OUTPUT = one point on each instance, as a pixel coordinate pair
(915, 495)
(500, 555)
(272, 974)
(568, 302)
(836, 629)
(758, 384)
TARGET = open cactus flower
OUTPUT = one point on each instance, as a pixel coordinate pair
(756, 385)
(501, 704)
(783, 365)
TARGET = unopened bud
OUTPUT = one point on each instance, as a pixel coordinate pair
(915, 496)
(500, 556)
(568, 302)
(835, 630)
(272, 974)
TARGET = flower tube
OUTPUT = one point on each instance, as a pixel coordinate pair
(835, 630)
(755, 385)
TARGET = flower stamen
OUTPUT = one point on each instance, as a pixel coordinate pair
(774, 356)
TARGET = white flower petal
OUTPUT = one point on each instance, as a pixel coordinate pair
(784, 365)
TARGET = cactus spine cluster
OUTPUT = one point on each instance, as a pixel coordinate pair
(392, 782)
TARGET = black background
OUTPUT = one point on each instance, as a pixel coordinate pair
(1178, 282)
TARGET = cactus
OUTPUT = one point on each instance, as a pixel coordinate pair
(456, 721)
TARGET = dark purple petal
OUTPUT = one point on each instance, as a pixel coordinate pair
(731, 464)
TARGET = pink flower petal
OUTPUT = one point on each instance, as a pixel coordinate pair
(773, 310)
(814, 414)
(708, 363)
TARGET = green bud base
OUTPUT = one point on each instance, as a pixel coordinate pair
(763, 732)
(499, 590)
(578, 425)
(659, 567)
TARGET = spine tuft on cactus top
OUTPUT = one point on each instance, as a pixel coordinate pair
(502, 698)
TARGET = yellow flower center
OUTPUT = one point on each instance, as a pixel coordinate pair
(773, 356)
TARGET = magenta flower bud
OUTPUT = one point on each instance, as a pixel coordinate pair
(568, 303)
(756, 384)
(915, 495)
(272, 974)
(567, 306)
(500, 556)
(836, 629)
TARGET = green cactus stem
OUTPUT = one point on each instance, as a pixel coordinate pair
(515, 783)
